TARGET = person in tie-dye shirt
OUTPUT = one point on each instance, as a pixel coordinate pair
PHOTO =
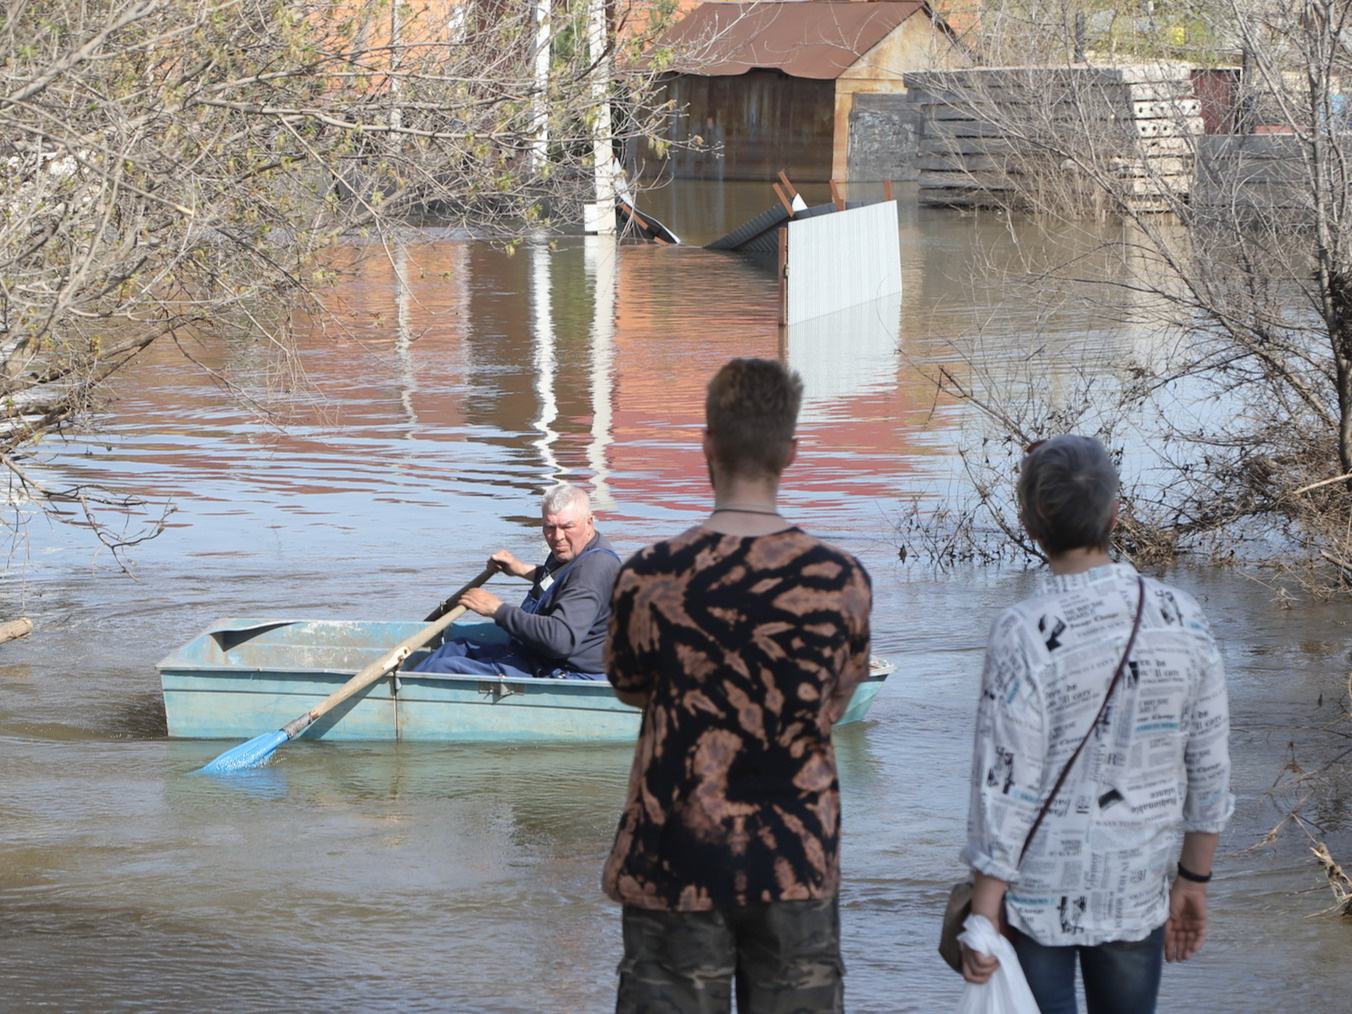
(743, 639)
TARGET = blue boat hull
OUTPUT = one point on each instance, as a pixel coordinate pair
(245, 676)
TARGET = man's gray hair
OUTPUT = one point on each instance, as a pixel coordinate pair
(563, 496)
(1067, 491)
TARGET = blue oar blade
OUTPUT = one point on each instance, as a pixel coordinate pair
(246, 755)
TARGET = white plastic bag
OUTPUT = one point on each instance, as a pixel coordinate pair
(1006, 991)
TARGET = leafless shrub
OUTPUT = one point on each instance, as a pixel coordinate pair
(182, 169)
(1233, 255)
(1313, 798)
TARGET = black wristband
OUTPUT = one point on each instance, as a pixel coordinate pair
(1196, 878)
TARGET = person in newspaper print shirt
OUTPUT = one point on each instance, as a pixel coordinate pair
(1093, 887)
(743, 639)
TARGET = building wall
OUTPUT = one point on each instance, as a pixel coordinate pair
(875, 134)
(757, 124)
(1218, 91)
(988, 135)
(884, 139)
(847, 129)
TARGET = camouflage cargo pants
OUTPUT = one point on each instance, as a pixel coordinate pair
(784, 957)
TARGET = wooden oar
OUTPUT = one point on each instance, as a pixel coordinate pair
(260, 748)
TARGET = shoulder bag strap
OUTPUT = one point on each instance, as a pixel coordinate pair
(1140, 608)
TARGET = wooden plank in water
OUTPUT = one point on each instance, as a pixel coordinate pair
(11, 629)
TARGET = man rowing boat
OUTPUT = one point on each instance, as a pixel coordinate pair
(559, 630)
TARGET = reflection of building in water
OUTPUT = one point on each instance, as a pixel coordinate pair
(682, 313)
(589, 361)
(462, 370)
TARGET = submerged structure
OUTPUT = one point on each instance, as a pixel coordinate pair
(814, 87)
(826, 257)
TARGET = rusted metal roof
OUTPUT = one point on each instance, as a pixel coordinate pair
(803, 38)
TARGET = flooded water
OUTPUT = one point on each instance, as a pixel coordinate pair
(464, 878)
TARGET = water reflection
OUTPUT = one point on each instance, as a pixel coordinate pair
(403, 332)
(846, 355)
(472, 374)
(602, 257)
(545, 361)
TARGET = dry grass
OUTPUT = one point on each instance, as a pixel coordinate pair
(1339, 882)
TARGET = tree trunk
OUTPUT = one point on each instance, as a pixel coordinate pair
(1340, 335)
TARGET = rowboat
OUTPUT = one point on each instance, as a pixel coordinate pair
(243, 676)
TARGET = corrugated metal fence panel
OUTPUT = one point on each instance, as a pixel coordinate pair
(762, 230)
(761, 234)
(839, 260)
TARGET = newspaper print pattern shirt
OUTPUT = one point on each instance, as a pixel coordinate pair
(749, 647)
(1157, 764)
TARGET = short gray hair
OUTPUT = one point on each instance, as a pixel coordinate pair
(1067, 490)
(563, 496)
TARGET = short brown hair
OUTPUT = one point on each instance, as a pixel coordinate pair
(751, 411)
(1067, 489)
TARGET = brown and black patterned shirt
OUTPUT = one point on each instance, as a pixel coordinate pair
(749, 647)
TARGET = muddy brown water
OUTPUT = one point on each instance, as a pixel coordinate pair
(464, 878)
